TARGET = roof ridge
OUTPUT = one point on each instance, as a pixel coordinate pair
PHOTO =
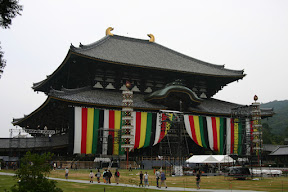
(91, 45)
(104, 39)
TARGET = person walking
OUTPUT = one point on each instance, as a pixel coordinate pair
(146, 182)
(141, 179)
(130, 167)
(54, 166)
(163, 179)
(66, 172)
(91, 175)
(117, 175)
(198, 179)
(157, 175)
(98, 175)
(109, 176)
(105, 176)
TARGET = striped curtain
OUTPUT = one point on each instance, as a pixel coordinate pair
(87, 124)
(220, 134)
(234, 136)
(149, 130)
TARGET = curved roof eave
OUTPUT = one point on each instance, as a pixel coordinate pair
(41, 83)
(19, 120)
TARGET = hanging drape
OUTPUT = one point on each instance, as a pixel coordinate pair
(149, 129)
(222, 135)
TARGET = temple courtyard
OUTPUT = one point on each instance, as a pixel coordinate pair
(78, 180)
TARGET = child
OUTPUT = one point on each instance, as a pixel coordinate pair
(98, 175)
(66, 172)
(91, 175)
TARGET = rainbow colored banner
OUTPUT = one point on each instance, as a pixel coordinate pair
(234, 136)
(216, 133)
(149, 130)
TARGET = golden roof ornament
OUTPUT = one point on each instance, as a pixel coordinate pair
(152, 38)
(128, 84)
(108, 31)
(255, 98)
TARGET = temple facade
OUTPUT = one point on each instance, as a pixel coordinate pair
(173, 112)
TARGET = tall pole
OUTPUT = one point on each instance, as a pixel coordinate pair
(127, 133)
(257, 130)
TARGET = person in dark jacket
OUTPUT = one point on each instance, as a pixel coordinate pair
(117, 175)
(163, 179)
(198, 179)
(105, 176)
(141, 179)
(109, 176)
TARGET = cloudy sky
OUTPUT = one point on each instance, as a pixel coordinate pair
(242, 34)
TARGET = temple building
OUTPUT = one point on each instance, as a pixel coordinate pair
(173, 112)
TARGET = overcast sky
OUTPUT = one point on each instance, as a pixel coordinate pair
(242, 34)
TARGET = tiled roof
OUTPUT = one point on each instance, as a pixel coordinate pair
(214, 107)
(87, 95)
(281, 150)
(142, 53)
(111, 99)
(218, 107)
(270, 147)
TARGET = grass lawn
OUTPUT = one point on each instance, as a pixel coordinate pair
(132, 178)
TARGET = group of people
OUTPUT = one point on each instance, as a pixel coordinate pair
(107, 175)
(143, 177)
(160, 176)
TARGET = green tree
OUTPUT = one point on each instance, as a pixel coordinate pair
(2, 61)
(266, 134)
(9, 9)
(270, 138)
(286, 132)
(32, 174)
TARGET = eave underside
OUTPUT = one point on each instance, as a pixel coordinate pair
(77, 71)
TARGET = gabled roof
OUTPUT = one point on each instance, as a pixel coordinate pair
(142, 53)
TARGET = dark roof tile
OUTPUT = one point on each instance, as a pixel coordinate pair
(142, 53)
(101, 97)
